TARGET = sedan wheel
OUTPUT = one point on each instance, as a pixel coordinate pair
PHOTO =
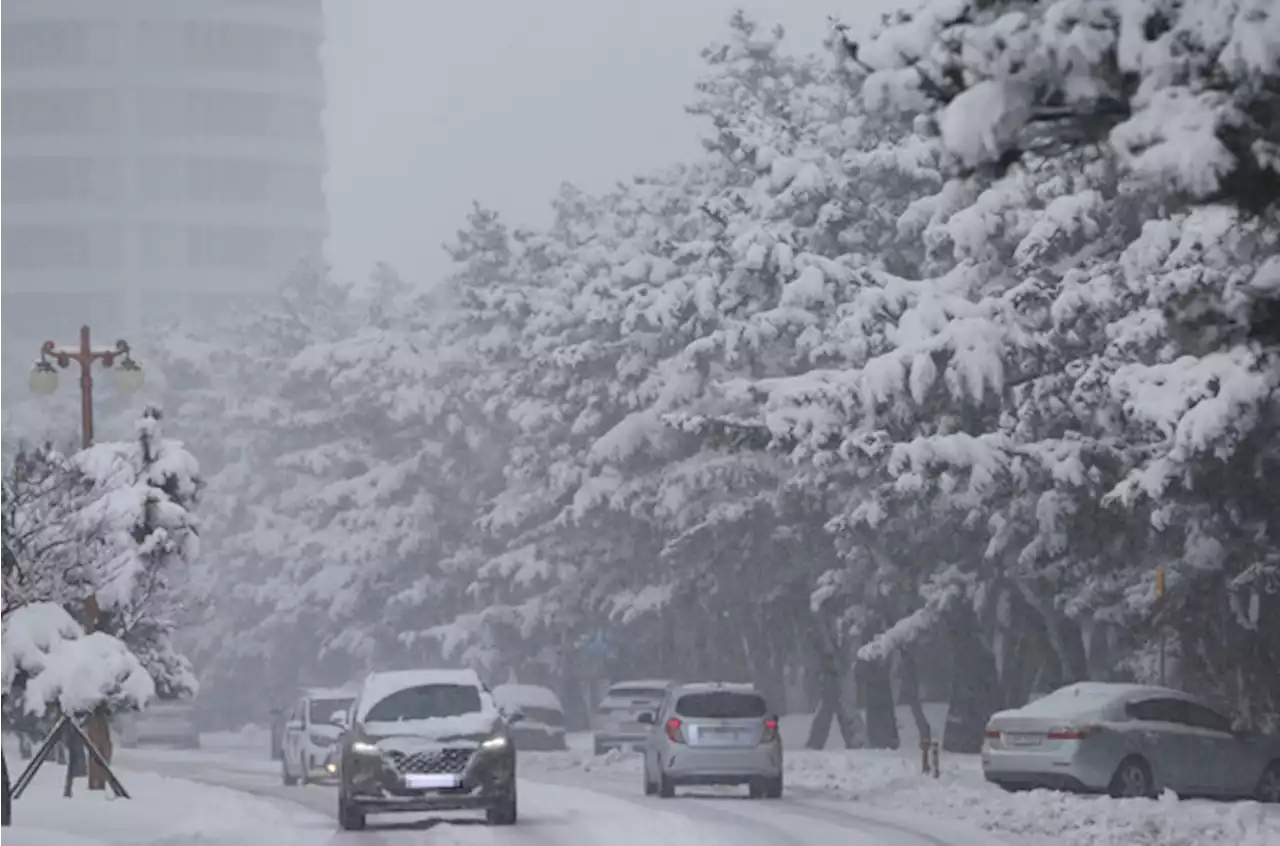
(1132, 780)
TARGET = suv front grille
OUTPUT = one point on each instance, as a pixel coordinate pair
(435, 761)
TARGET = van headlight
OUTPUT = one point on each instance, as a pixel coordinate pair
(494, 743)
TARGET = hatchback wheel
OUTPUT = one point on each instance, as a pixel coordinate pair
(1132, 780)
(1269, 785)
(666, 787)
(649, 787)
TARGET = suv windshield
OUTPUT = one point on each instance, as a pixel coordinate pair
(721, 705)
(322, 709)
(425, 703)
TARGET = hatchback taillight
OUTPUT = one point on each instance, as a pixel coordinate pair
(674, 730)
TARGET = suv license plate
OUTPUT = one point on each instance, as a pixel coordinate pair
(430, 781)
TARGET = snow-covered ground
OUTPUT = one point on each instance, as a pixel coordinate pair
(891, 783)
(162, 812)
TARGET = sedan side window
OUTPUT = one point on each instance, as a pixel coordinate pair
(1163, 710)
(1202, 716)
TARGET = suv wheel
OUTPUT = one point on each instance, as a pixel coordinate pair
(773, 788)
(504, 809)
(287, 777)
(600, 748)
(350, 817)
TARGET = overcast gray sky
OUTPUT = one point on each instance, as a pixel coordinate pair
(434, 103)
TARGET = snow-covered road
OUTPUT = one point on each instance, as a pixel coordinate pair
(559, 809)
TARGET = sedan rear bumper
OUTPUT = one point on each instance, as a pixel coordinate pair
(1064, 769)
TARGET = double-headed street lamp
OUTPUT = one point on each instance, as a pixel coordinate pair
(44, 380)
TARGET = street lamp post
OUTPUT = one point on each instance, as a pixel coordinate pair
(44, 380)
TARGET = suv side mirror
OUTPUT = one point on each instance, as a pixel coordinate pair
(515, 716)
(646, 718)
(293, 725)
(339, 719)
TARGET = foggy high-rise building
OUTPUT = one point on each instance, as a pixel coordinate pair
(160, 157)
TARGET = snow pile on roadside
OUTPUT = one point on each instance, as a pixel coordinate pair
(162, 812)
(891, 780)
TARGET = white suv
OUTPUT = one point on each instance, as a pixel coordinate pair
(310, 735)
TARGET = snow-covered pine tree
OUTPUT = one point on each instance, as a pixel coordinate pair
(145, 492)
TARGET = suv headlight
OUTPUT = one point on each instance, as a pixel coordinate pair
(361, 747)
(494, 743)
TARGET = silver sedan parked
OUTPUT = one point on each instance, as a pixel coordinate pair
(1129, 740)
(713, 734)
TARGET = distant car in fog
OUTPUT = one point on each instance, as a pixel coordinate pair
(616, 724)
(1129, 740)
(165, 723)
(543, 725)
(311, 733)
(712, 733)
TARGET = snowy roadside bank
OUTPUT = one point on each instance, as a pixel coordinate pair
(162, 811)
(891, 781)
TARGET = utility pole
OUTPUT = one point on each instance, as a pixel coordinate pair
(129, 379)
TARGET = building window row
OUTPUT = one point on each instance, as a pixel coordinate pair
(175, 247)
(191, 45)
(228, 47)
(162, 113)
(59, 44)
(231, 181)
(228, 114)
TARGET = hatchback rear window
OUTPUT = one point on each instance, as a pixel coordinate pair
(721, 705)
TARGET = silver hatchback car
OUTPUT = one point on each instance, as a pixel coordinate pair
(713, 733)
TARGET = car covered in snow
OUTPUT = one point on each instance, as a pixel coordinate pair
(543, 725)
(616, 724)
(310, 734)
(1129, 740)
(163, 723)
(422, 741)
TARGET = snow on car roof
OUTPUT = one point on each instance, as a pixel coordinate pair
(378, 686)
(531, 695)
(329, 693)
(645, 684)
(1088, 697)
(735, 687)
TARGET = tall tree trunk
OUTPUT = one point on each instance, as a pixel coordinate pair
(975, 686)
(910, 692)
(875, 682)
